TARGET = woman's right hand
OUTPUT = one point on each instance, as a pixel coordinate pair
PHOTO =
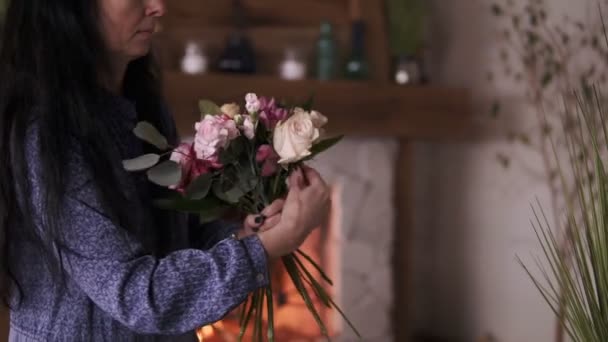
(306, 208)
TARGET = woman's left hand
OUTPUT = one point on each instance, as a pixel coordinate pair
(267, 219)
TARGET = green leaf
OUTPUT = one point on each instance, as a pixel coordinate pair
(247, 180)
(226, 157)
(141, 163)
(307, 106)
(165, 174)
(292, 270)
(208, 107)
(322, 146)
(200, 187)
(246, 310)
(148, 133)
(232, 195)
(246, 317)
(316, 266)
(234, 150)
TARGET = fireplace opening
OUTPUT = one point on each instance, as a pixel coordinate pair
(292, 320)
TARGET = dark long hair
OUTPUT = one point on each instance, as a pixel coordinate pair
(51, 56)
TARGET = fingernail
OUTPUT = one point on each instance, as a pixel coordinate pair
(255, 229)
(260, 219)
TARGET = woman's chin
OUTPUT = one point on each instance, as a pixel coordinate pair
(139, 52)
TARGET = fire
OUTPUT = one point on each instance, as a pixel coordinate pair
(208, 331)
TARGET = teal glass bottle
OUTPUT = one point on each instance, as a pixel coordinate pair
(326, 53)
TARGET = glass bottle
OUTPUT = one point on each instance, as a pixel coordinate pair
(326, 53)
(238, 55)
(357, 67)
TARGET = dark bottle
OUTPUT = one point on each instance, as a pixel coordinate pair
(238, 55)
(357, 67)
(326, 53)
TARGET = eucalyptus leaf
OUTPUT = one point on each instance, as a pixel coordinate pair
(226, 157)
(200, 187)
(148, 133)
(208, 107)
(232, 195)
(165, 174)
(140, 163)
(237, 146)
(247, 180)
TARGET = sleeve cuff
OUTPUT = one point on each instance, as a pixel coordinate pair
(258, 259)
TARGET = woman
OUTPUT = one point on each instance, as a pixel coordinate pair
(85, 256)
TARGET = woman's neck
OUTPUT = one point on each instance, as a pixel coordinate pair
(116, 76)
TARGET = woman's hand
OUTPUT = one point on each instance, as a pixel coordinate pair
(306, 208)
(268, 218)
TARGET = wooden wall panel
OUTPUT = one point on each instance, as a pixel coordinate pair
(192, 13)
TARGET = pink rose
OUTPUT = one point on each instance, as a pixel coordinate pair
(270, 114)
(267, 155)
(249, 127)
(252, 103)
(191, 167)
(213, 133)
(181, 154)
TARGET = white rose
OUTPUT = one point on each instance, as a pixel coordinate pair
(318, 119)
(293, 138)
(230, 109)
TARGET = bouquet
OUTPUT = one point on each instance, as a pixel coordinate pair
(241, 160)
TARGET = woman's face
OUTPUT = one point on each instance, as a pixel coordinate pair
(128, 25)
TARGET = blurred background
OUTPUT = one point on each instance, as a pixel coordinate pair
(442, 104)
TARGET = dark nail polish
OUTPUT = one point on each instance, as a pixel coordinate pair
(260, 219)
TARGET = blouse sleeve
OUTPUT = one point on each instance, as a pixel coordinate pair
(170, 295)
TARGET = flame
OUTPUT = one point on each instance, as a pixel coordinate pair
(208, 331)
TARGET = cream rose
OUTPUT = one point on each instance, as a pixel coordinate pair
(318, 119)
(294, 137)
(230, 109)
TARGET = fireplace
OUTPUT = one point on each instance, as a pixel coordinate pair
(354, 247)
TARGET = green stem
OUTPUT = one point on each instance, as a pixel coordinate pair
(248, 317)
(316, 266)
(317, 288)
(292, 270)
(270, 307)
(275, 184)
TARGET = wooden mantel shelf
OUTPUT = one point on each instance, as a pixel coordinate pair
(353, 108)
